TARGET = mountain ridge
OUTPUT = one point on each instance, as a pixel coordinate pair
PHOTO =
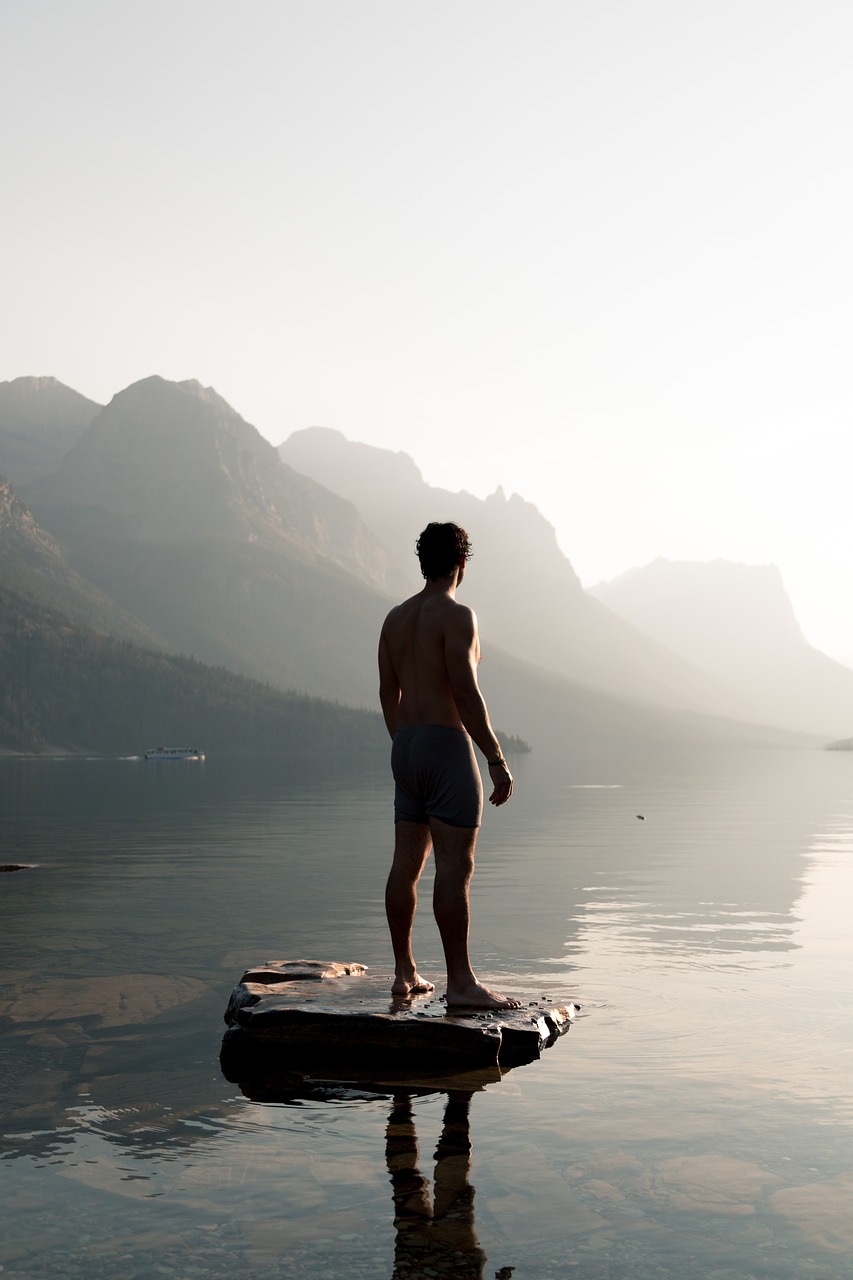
(269, 573)
(527, 595)
(40, 418)
(169, 461)
(688, 606)
(177, 508)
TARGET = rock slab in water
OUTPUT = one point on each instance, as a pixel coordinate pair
(301, 1009)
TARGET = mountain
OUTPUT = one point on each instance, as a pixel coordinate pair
(177, 519)
(527, 596)
(180, 511)
(736, 622)
(40, 420)
(71, 680)
(166, 462)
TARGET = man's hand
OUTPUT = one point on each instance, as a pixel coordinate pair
(502, 779)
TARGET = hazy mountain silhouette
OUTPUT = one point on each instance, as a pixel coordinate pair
(175, 508)
(736, 621)
(186, 516)
(71, 681)
(527, 596)
(167, 462)
(40, 420)
(79, 673)
(595, 732)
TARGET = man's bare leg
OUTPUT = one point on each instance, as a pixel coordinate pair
(454, 866)
(412, 842)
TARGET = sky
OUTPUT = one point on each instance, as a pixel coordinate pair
(596, 253)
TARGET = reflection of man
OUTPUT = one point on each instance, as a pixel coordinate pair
(428, 655)
(440, 1239)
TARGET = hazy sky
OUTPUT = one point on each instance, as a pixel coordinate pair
(599, 253)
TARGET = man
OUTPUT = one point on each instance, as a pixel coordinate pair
(431, 701)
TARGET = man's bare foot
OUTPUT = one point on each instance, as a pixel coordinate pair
(414, 987)
(476, 996)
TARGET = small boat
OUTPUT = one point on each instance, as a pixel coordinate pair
(174, 753)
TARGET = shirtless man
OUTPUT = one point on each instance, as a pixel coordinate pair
(431, 701)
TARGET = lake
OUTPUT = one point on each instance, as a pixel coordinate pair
(695, 1122)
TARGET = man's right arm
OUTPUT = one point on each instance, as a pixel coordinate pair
(461, 649)
(389, 686)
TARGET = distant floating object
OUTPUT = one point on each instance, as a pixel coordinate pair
(174, 753)
(641, 816)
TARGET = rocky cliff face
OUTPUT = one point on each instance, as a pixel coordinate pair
(19, 533)
(178, 509)
(391, 494)
(173, 462)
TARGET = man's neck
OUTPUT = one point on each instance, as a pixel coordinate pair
(442, 586)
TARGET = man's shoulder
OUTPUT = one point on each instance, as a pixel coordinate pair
(442, 611)
(401, 609)
(461, 617)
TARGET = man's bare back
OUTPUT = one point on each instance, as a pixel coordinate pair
(417, 639)
(428, 655)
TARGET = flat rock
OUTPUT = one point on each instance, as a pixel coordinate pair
(337, 1018)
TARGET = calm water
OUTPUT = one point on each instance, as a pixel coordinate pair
(696, 1121)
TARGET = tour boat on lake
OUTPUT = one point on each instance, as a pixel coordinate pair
(174, 753)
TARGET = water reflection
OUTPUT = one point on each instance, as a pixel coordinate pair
(434, 1232)
(433, 1235)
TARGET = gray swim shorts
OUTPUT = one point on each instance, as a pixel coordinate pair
(436, 776)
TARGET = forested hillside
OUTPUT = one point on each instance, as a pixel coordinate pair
(64, 687)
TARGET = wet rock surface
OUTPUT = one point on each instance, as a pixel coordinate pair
(280, 1016)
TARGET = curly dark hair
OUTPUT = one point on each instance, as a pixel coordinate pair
(440, 549)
